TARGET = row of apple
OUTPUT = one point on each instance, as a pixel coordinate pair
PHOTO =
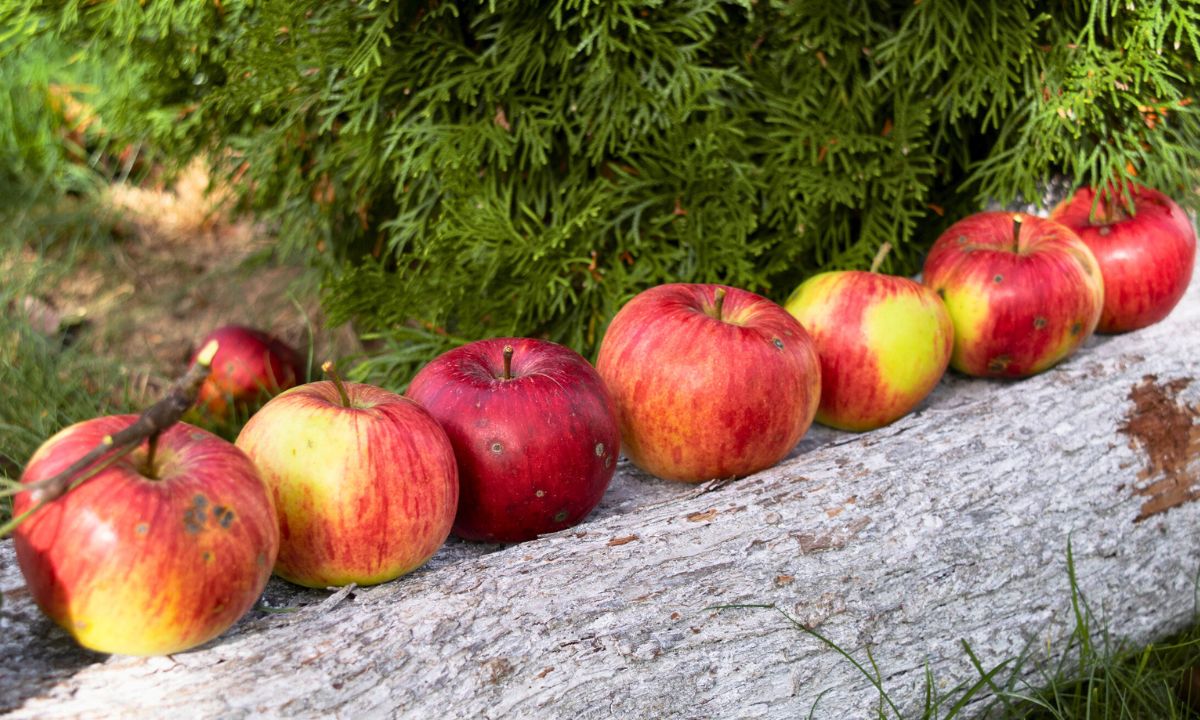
(506, 439)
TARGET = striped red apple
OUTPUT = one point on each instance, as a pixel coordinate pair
(709, 381)
(364, 482)
(884, 343)
(1146, 258)
(1023, 292)
(159, 551)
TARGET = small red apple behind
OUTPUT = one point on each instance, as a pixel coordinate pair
(250, 367)
(1146, 258)
(1023, 292)
(534, 432)
(709, 381)
(364, 481)
(160, 551)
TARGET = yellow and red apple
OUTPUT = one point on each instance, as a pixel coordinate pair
(157, 552)
(708, 381)
(1023, 292)
(249, 368)
(1146, 258)
(364, 482)
(884, 342)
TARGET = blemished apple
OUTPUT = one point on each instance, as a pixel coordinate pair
(364, 482)
(709, 381)
(534, 432)
(1146, 258)
(250, 367)
(1023, 292)
(884, 343)
(156, 553)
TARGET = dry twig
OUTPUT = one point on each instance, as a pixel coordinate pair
(153, 421)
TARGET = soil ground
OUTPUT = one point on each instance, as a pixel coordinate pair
(182, 265)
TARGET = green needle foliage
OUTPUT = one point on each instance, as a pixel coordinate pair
(470, 169)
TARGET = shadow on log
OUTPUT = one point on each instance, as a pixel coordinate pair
(950, 525)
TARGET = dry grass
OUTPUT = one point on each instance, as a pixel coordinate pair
(183, 264)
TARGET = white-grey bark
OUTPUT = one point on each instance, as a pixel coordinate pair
(950, 525)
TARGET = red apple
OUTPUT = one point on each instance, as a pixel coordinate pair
(1023, 292)
(250, 367)
(1146, 259)
(149, 556)
(709, 381)
(884, 342)
(534, 432)
(364, 482)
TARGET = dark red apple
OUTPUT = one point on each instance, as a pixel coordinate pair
(1146, 258)
(250, 367)
(709, 381)
(533, 430)
(152, 555)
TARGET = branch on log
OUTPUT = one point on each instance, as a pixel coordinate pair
(951, 525)
(153, 421)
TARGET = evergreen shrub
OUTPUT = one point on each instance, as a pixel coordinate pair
(471, 169)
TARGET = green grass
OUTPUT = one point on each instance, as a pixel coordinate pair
(50, 224)
(45, 383)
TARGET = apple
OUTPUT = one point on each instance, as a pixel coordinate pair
(1146, 259)
(709, 381)
(884, 343)
(364, 482)
(534, 432)
(159, 551)
(250, 367)
(1023, 292)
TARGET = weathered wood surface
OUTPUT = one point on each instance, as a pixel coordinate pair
(950, 525)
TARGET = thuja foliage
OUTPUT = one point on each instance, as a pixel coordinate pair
(482, 168)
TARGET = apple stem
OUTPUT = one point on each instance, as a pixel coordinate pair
(1113, 207)
(508, 353)
(884, 249)
(151, 450)
(718, 303)
(1016, 237)
(328, 368)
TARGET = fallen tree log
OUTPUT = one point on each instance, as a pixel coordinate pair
(951, 525)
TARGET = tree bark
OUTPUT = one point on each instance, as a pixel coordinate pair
(952, 524)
